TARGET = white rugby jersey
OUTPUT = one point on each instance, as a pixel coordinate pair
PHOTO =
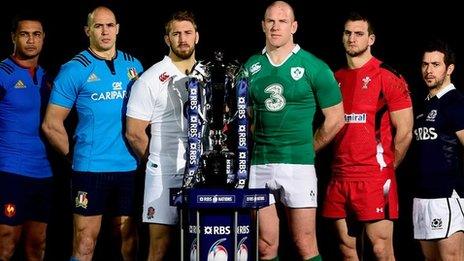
(159, 96)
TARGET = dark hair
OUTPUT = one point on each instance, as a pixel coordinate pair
(180, 16)
(356, 16)
(25, 17)
(438, 45)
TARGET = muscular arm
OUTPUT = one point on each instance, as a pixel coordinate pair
(53, 127)
(333, 122)
(402, 120)
(137, 137)
(460, 135)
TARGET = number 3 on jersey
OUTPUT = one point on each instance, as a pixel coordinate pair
(276, 101)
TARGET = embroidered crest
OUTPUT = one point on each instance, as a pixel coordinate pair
(297, 72)
(81, 199)
(366, 80)
(10, 210)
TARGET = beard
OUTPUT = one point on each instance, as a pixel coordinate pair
(356, 53)
(438, 83)
(183, 54)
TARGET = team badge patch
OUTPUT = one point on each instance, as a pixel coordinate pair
(297, 72)
(10, 210)
(150, 212)
(366, 80)
(132, 74)
(81, 199)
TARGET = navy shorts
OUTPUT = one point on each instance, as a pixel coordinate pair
(24, 198)
(98, 193)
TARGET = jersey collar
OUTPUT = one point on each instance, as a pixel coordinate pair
(448, 88)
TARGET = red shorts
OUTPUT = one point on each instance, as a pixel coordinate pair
(366, 200)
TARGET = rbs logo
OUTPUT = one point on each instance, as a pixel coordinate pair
(424, 133)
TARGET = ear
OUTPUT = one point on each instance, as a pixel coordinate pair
(117, 29)
(13, 37)
(197, 38)
(87, 31)
(371, 39)
(294, 26)
(450, 69)
(263, 27)
(166, 40)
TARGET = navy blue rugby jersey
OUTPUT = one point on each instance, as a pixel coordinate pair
(437, 148)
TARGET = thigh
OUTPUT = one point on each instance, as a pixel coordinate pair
(269, 224)
(335, 201)
(302, 222)
(374, 199)
(156, 208)
(262, 176)
(89, 193)
(13, 199)
(86, 226)
(39, 204)
(298, 185)
(122, 200)
(380, 230)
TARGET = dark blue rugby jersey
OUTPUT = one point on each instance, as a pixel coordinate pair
(22, 97)
(438, 150)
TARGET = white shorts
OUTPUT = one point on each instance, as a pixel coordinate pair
(437, 218)
(294, 184)
(156, 208)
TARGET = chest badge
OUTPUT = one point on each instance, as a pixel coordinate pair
(366, 80)
(297, 72)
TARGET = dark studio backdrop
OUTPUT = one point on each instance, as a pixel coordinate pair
(234, 27)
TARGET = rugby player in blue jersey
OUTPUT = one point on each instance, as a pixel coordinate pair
(438, 208)
(97, 82)
(25, 173)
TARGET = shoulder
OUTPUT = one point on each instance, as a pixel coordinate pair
(6, 67)
(156, 70)
(311, 62)
(387, 69)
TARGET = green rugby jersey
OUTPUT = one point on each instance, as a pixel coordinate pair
(284, 98)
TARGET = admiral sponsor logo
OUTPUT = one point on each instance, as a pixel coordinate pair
(164, 77)
(116, 93)
(356, 118)
(216, 199)
(217, 230)
(255, 68)
(19, 85)
(425, 133)
(255, 198)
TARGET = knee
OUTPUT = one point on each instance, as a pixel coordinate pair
(85, 244)
(306, 243)
(381, 249)
(268, 248)
(35, 248)
(7, 245)
(348, 251)
(129, 247)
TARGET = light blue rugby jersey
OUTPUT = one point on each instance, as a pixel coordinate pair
(100, 90)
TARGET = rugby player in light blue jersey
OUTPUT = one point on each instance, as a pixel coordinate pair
(97, 82)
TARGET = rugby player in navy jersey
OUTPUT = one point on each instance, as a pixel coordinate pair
(438, 208)
(97, 82)
(25, 173)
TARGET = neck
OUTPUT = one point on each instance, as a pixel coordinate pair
(105, 55)
(184, 65)
(434, 91)
(358, 61)
(26, 62)
(278, 54)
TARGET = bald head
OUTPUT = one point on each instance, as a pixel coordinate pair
(99, 11)
(283, 7)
